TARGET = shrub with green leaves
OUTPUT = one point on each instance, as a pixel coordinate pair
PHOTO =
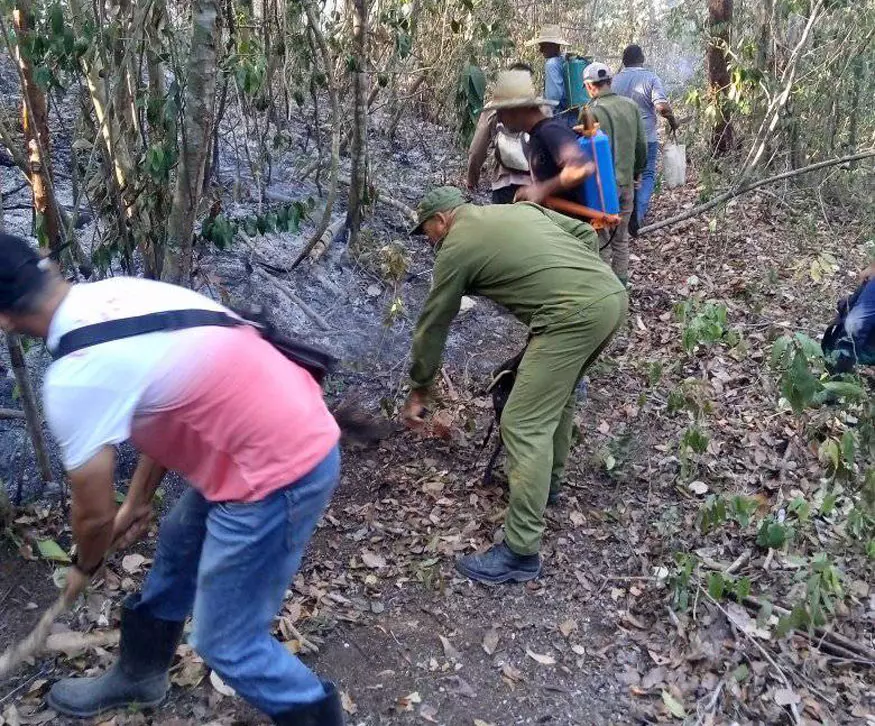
(704, 324)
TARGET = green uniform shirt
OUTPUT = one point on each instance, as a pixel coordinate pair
(621, 120)
(540, 265)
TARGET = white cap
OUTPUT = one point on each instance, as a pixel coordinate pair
(596, 72)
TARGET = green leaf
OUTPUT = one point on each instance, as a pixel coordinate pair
(845, 389)
(51, 550)
(716, 585)
(741, 673)
(772, 534)
(673, 705)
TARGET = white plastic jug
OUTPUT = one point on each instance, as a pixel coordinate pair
(674, 164)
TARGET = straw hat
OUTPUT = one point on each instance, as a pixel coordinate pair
(515, 89)
(549, 34)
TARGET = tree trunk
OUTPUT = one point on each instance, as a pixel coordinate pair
(359, 152)
(32, 416)
(854, 114)
(720, 24)
(319, 41)
(34, 120)
(197, 126)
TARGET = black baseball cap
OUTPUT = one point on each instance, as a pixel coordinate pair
(22, 271)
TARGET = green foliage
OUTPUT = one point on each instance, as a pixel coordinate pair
(774, 534)
(718, 510)
(220, 230)
(693, 441)
(469, 100)
(680, 580)
(704, 324)
(823, 588)
(721, 586)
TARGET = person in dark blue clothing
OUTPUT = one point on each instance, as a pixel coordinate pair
(850, 339)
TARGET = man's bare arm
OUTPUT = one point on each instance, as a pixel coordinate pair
(135, 513)
(93, 510)
(575, 168)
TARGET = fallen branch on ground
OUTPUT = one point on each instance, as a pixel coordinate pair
(735, 192)
(837, 642)
(794, 709)
(33, 643)
(11, 413)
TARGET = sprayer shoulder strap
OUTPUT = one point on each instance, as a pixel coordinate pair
(165, 321)
(610, 134)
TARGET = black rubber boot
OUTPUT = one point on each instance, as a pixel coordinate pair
(139, 676)
(500, 564)
(325, 712)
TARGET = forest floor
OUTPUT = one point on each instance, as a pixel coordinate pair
(617, 630)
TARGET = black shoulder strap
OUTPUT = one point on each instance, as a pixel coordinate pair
(165, 321)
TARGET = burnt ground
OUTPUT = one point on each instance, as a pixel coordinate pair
(601, 638)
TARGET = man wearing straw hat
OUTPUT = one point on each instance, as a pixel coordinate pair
(556, 160)
(550, 43)
(544, 268)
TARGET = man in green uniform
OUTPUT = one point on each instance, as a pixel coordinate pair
(620, 119)
(544, 268)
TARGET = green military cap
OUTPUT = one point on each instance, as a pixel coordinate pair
(439, 199)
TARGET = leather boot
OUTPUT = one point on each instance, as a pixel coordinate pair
(499, 564)
(324, 712)
(139, 675)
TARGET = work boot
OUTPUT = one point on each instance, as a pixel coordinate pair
(139, 675)
(324, 712)
(500, 564)
(553, 497)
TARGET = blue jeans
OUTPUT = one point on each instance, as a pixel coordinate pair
(648, 181)
(229, 565)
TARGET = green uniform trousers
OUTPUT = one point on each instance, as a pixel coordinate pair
(614, 243)
(537, 421)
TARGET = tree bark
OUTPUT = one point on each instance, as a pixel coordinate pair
(313, 20)
(32, 416)
(358, 189)
(34, 120)
(197, 125)
(720, 24)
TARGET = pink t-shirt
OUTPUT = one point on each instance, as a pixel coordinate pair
(219, 405)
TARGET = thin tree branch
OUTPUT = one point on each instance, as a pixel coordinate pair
(731, 193)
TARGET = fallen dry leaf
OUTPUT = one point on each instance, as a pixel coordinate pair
(406, 703)
(373, 560)
(787, 697)
(428, 713)
(568, 627)
(698, 487)
(674, 706)
(479, 722)
(72, 643)
(490, 641)
(348, 704)
(547, 660)
(220, 685)
(511, 673)
(133, 563)
(449, 651)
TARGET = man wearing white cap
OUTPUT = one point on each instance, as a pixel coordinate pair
(619, 118)
(550, 43)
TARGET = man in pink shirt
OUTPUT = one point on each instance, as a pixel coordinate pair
(243, 424)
